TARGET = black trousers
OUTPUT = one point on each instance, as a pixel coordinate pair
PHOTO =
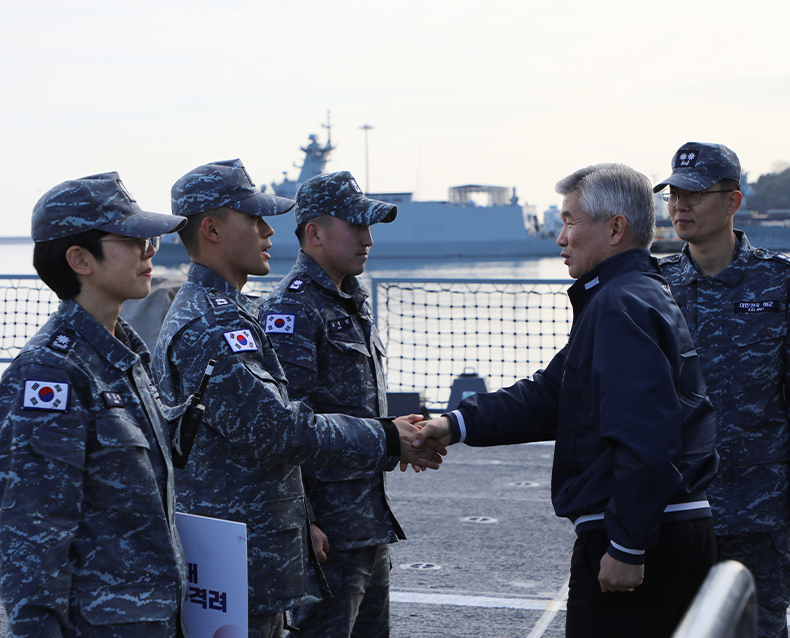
(674, 570)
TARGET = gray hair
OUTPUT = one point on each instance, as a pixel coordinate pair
(606, 190)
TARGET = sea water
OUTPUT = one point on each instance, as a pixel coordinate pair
(17, 259)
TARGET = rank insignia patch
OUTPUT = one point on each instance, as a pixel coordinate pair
(46, 395)
(687, 158)
(240, 340)
(279, 323)
(297, 284)
(113, 400)
(60, 341)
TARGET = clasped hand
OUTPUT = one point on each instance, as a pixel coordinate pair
(421, 443)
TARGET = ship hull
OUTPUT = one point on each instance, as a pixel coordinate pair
(448, 231)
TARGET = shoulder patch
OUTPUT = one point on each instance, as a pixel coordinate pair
(46, 395)
(279, 323)
(297, 284)
(61, 341)
(240, 340)
(218, 301)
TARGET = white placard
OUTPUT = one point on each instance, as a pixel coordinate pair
(216, 556)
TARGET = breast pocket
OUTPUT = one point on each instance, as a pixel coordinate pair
(119, 474)
(759, 339)
(344, 357)
(126, 611)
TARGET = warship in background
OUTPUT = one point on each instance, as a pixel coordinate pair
(463, 226)
(497, 227)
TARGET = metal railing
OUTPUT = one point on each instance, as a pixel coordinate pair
(433, 329)
(725, 606)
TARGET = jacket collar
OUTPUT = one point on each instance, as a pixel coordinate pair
(351, 288)
(207, 278)
(730, 276)
(121, 352)
(586, 286)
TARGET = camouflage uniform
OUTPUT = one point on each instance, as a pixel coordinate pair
(245, 462)
(87, 530)
(327, 342)
(739, 322)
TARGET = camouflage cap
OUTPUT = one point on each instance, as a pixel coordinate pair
(96, 202)
(224, 183)
(697, 166)
(339, 195)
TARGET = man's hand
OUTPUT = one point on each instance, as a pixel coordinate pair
(420, 458)
(615, 575)
(320, 543)
(435, 430)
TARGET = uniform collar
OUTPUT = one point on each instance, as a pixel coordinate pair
(636, 259)
(121, 353)
(351, 288)
(731, 275)
(207, 278)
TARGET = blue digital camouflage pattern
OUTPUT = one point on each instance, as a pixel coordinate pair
(739, 322)
(87, 532)
(98, 201)
(699, 165)
(224, 183)
(334, 362)
(245, 462)
(339, 195)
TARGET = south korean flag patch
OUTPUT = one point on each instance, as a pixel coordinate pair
(279, 323)
(52, 396)
(240, 340)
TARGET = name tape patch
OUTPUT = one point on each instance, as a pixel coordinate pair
(338, 325)
(750, 307)
(279, 323)
(240, 340)
(46, 395)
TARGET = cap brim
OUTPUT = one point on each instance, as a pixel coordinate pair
(263, 205)
(145, 224)
(374, 211)
(687, 181)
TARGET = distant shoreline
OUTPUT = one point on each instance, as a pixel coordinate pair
(16, 240)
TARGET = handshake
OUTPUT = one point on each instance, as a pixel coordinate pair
(422, 443)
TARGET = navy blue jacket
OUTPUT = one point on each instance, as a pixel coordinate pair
(624, 400)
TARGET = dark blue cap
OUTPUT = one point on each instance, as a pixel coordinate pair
(96, 202)
(698, 165)
(224, 183)
(339, 195)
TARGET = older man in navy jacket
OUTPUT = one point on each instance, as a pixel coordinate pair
(625, 402)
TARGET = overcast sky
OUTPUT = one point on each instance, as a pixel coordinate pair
(510, 93)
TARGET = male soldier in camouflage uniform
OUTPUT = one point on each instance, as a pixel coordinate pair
(735, 300)
(245, 463)
(87, 524)
(322, 327)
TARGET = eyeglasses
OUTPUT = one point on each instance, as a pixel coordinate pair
(692, 198)
(143, 243)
